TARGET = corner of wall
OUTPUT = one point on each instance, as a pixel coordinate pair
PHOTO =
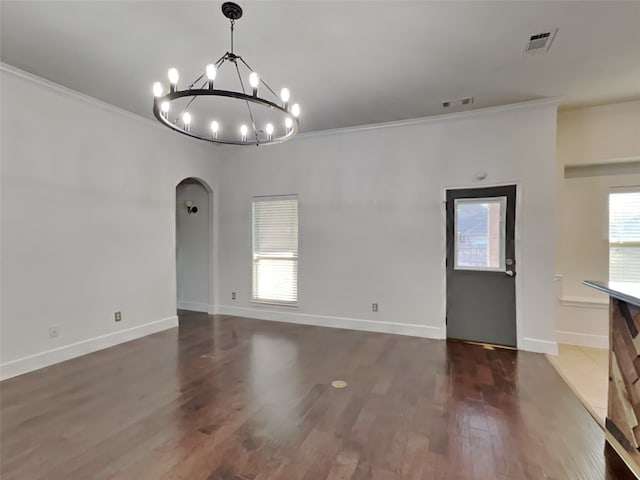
(67, 352)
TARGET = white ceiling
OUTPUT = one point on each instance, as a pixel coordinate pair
(347, 63)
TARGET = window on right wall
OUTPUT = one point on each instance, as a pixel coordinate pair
(624, 235)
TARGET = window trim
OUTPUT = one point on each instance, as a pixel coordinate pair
(502, 201)
(267, 302)
(618, 244)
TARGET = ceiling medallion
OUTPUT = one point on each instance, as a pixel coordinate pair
(217, 131)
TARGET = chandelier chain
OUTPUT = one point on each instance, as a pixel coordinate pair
(233, 23)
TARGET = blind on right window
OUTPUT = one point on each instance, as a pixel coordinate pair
(624, 235)
(275, 250)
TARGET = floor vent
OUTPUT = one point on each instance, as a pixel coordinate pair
(540, 42)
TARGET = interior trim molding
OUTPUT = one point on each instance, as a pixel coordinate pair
(614, 167)
(423, 331)
(539, 346)
(412, 330)
(581, 302)
(603, 162)
(479, 112)
(551, 101)
(77, 349)
(5, 67)
(583, 339)
(195, 306)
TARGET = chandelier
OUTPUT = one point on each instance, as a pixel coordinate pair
(263, 121)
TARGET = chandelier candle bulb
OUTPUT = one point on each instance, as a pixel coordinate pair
(157, 89)
(288, 123)
(284, 95)
(165, 108)
(243, 132)
(174, 76)
(269, 129)
(211, 74)
(186, 119)
(214, 129)
(254, 81)
(295, 110)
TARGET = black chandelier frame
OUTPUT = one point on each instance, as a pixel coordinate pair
(232, 11)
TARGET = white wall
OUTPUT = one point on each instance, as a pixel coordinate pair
(193, 241)
(584, 255)
(600, 148)
(88, 221)
(606, 133)
(372, 218)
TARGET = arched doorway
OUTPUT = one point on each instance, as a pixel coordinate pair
(194, 246)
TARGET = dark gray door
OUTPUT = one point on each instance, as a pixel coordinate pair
(481, 268)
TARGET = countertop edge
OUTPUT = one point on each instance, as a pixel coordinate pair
(613, 293)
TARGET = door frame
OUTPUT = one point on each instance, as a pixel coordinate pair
(518, 253)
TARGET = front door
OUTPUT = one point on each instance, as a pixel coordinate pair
(481, 267)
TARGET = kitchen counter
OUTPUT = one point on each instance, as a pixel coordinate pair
(626, 291)
(623, 403)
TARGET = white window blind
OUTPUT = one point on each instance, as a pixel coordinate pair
(624, 236)
(275, 250)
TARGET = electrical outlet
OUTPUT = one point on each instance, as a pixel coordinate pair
(53, 331)
(233, 295)
(118, 316)
(374, 307)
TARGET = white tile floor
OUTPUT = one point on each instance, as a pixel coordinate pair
(586, 370)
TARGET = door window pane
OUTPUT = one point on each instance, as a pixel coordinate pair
(479, 233)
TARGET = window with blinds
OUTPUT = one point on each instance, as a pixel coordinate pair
(624, 235)
(275, 250)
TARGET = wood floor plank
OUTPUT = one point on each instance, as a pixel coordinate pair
(234, 398)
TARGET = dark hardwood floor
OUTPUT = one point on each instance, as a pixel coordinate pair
(235, 398)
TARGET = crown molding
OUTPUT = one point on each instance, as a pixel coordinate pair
(479, 112)
(5, 67)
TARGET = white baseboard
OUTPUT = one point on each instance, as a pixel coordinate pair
(66, 352)
(333, 322)
(195, 306)
(539, 346)
(583, 339)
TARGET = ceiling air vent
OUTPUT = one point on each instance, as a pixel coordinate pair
(540, 42)
(457, 102)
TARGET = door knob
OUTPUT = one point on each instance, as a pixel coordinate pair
(510, 273)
